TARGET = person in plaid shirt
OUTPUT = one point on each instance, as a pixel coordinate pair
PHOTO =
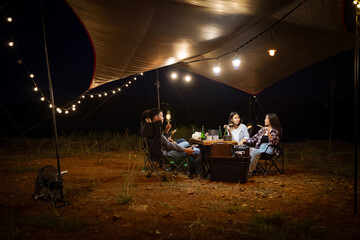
(264, 140)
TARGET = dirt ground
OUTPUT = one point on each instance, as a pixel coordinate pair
(307, 202)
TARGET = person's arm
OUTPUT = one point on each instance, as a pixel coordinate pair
(274, 137)
(252, 140)
(245, 132)
(170, 145)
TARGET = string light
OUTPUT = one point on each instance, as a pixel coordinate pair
(105, 94)
(83, 96)
(141, 74)
(126, 85)
(31, 75)
(42, 99)
(58, 110)
(99, 95)
(9, 19)
(236, 63)
(50, 105)
(66, 112)
(272, 51)
(79, 102)
(119, 89)
(187, 78)
(174, 75)
(217, 68)
(11, 44)
(113, 91)
(36, 89)
(91, 96)
(135, 78)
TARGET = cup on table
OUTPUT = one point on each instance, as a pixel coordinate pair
(215, 138)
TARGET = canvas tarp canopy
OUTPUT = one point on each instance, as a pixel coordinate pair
(133, 36)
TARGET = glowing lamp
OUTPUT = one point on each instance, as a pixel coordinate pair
(119, 89)
(42, 99)
(66, 112)
(187, 78)
(135, 78)
(126, 85)
(36, 89)
(173, 75)
(31, 75)
(113, 91)
(99, 95)
(358, 6)
(355, 2)
(105, 94)
(50, 105)
(9, 19)
(73, 106)
(272, 52)
(11, 44)
(168, 116)
(91, 96)
(79, 102)
(141, 74)
(217, 70)
(58, 110)
(83, 96)
(236, 63)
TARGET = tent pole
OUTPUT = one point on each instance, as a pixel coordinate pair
(356, 101)
(52, 102)
(158, 87)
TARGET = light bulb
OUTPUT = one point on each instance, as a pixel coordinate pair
(58, 110)
(83, 96)
(31, 75)
(42, 99)
(9, 19)
(105, 94)
(358, 6)
(66, 112)
(168, 117)
(129, 82)
(73, 109)
(135, 78)
(187, 78)
(73, 106)
(11, 44)
(50, 105)
(119, 89)
(92, 96)
(217, 70)
(79, 102)
(141, 74)
(126, 85)
(99, 95)
(355, 2)
(272, 52)
(36, 89)
(113, 91)
(236, 63)
(173, 75)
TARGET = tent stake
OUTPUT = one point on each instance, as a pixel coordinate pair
(52, 103)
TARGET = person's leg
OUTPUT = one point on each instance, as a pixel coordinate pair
(197, 162)
(254, 158)
(180, 140)
(184, 144)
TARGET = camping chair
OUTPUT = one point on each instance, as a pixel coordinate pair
(264, 166)
(162, 165)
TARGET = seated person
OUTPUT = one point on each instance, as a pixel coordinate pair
(157, 141)
(237, 130)
(167, 134)
(266, 138)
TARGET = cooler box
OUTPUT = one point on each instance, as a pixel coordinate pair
(229, 169)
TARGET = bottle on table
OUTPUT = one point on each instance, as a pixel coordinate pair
(202, 133)
(193, 129)
(226, 133)
(220, 132)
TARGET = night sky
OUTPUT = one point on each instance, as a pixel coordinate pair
(300, 100)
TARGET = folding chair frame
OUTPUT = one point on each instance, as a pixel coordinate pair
(272, 158)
